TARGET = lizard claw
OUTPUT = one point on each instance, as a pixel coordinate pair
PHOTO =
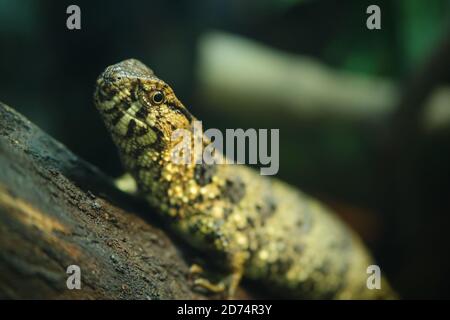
(226, 286)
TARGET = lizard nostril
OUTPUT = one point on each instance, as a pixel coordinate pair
(112, 74)
(111, 79)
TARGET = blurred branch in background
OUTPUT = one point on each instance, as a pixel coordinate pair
(404, 148)
(402, 176)
(240, 75)
(417, 90)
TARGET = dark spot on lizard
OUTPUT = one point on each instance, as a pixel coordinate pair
(325, 267)
(116, 118)
(141, 131)
(250, 222)
(110, 111)
(204, 173)
(299, 248)
(211, 236)
(194, 228)
(283, 265)
(125, 105)
(104, 96)
(227, 211)
(199, 198)
(131, 128)
(267, 208)
(234, 190)
(142, 113)
(140, 149)
(158, 145)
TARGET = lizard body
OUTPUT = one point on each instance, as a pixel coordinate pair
(250, 225)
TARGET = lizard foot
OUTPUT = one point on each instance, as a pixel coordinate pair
(127, 184)
(225, 286)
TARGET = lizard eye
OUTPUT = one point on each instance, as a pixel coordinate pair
(157, 97)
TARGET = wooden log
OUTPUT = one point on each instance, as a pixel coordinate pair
(57, 210)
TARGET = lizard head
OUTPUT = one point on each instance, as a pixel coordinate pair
(138, 106)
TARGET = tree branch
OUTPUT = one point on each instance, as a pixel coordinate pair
(57, 210)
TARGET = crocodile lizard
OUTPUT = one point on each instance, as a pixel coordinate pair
(249, 225)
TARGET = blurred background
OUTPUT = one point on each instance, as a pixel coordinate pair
(364, 115)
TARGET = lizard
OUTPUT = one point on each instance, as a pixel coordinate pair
(251, 226)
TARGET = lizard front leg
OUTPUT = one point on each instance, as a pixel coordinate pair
(227, 285)
(224, 248)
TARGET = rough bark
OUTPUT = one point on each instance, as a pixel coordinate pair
(57, 210)
(271, 83)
